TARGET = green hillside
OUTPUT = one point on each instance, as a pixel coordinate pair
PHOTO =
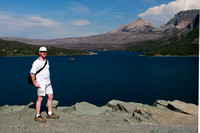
(14, 48)
(187, 46)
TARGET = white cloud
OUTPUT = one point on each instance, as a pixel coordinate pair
(38, 21)
(25, 21)
(160, 15)
(27, 26)
(34, 26)
(78, 7)
(80, 22)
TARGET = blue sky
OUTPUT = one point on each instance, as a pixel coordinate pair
(47, 19)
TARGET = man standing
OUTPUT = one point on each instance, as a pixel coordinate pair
(43, 84)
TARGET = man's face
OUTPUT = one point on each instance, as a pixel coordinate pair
(43, 54)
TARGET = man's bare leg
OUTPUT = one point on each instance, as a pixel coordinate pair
(38, 117)
(50, 114)
(49, 102)
(38, 104)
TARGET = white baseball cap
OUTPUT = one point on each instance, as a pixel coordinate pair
(43, 49)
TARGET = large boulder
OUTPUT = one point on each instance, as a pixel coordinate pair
(158, 114)
(89, 109)
(178, 106)
(186, 108)
(170, 117)
(54, 103)
(84, 108)
(126, 106)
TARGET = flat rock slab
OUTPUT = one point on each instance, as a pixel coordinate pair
(89, 109)
(146, 114)
(178, 106)
(188, 108)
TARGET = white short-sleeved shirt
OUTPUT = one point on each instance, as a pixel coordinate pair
(43, 77)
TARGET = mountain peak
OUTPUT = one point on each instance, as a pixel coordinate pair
(181, 20)
(138, 26)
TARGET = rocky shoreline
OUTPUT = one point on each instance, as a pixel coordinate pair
(116, 116)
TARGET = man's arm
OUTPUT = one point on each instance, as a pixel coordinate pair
(34, 81)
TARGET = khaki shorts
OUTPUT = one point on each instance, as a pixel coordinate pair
(45, 89)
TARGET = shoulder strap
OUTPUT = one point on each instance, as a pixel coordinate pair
(41, 68)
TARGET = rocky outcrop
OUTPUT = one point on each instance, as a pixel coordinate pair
(115, 116)
(161, 113)
(54, 103)
(89, 109)
(183, 19)
(178, 106)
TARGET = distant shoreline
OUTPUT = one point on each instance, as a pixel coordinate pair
(90, 53)
(169, 55)
(173, 56)
(94, 53)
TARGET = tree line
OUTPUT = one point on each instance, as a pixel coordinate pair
(175, 46)
(14, 48)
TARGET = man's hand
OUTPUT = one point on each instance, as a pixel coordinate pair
(34, 82)
(37, 85)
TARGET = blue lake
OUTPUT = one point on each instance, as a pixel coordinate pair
(100, 78)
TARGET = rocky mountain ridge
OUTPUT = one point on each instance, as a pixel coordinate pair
(136, 31)
(183, 19)
(138, 26)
